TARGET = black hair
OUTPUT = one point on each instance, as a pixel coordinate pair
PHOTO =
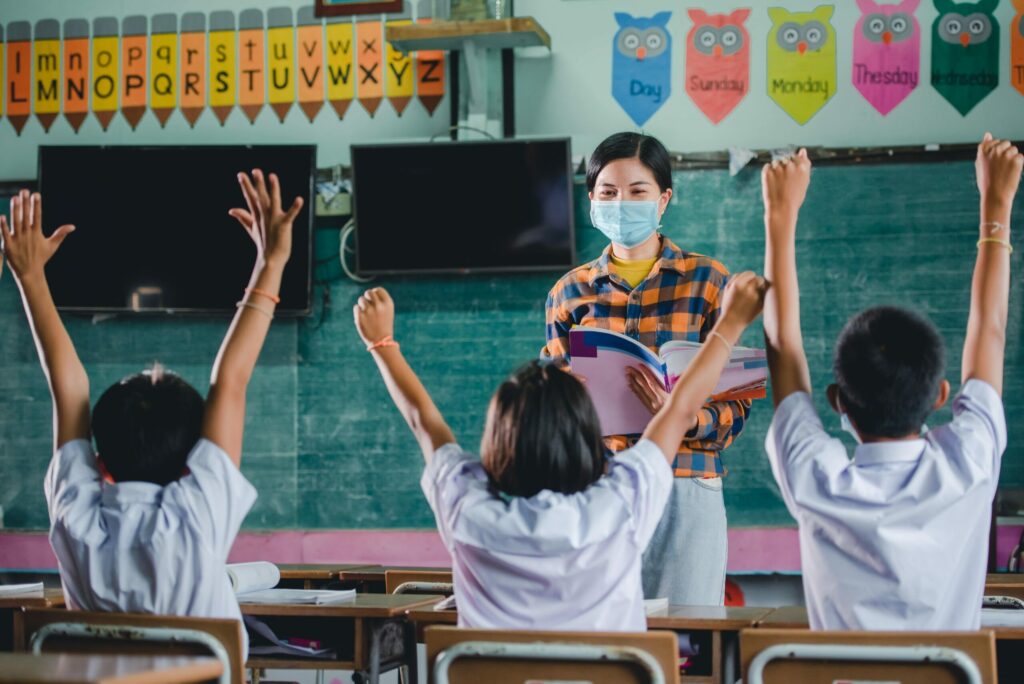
(542, 433)
(889, 364)
(146, 425)
(647, 149)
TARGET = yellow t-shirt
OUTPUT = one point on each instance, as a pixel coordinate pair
(632, 271)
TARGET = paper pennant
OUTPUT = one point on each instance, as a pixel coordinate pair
(134, 51)
(251, 68)
(46, 57)
(718, 62)
(1017, 48)
(965, 52)
(802, 61)
(163, 79)
(886, 53)
(642, 64)
(430, 76)
(76, 72)
(192, 58)
(341, 78)
(223, 64)
(400, 74)
(19, 74)
(104, 72)
(310, 38)
(369, 36)
(281, 60)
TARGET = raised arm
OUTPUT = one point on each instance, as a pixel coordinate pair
(784, 184)
(999, 166)
(270, 228)
(375, 319)
(744, 298)
(27, 251)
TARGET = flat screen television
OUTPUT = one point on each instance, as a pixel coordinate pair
(153, 232)
(463, 207)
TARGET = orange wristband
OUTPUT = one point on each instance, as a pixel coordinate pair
(382, 342)
(256, 291)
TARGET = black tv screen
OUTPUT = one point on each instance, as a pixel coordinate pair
(463, 207)
(153, 232)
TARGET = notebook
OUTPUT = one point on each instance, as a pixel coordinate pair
(256, 582)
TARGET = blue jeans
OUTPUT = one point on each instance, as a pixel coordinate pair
(685, 560)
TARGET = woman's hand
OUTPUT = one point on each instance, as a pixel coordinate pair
(269, 226)
(374, 314)
(647, 387)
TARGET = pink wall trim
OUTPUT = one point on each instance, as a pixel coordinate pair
(753, 549)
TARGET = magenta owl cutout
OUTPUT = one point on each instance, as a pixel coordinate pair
(718, 62)
(887, 53)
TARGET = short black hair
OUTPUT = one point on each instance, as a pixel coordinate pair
(626, 145)
(146, 425)
(542, 433)
(889, 364)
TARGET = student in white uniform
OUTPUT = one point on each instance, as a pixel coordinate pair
(543, 533)
(895, 538)
(145, 524)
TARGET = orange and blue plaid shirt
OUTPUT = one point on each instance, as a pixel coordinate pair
(679, 300)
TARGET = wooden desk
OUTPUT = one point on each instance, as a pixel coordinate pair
(1005, 584)
(371, 578)
(370, 633)
(785, 617)
(10, 605)
(717, 627)
(314, 576)
(73, 668)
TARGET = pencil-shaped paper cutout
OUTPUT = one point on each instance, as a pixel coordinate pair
(133, 68)
(251, 88)
(193, 65)
(46, 50)
(19, 73)
(104, 69)
(281, 60)
(76, 72)
(223, 64)
(430, 68)
(310, 52)
(163, 57)
(400, 74)
(2, 89)
(341, 79)
(369, 55)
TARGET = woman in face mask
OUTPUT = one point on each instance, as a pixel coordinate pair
(646, 287)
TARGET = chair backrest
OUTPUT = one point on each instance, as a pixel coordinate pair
(512, 657)
(774, 656)
(418, 582)
(226, 632)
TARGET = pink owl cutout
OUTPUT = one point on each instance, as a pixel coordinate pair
(718, 62)
(886, 53)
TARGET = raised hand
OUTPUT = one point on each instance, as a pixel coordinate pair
(744, 298)
(26, 248)
(784, 185)
(269, 226)
(999, 164)
(374, 314)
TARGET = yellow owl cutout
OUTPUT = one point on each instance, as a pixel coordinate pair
(802, 75)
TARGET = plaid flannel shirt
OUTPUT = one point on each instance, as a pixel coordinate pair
(679, 300)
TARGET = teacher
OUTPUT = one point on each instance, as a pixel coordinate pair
(646, 287)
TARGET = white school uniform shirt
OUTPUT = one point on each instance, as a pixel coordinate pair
(552, 561)
(142, 548)
(897, 538)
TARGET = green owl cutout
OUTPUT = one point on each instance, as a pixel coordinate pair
(965, 52)
(802, 75)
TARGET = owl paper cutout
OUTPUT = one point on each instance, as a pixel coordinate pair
(886, 53)
(965, 52)
(642, 64)
(718, 62)
(1017, 48)
(802, 60)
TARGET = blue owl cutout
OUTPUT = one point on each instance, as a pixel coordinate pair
(642, 64)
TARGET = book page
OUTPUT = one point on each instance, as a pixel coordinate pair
(249, 577)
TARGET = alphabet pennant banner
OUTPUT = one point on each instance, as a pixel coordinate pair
(281, 59)
(642, 64)
(802, 75)
(134, 49)
(310, 36)
(1017, 48)
(223, 64)
(192, 57)
(718, 62)
(19, 73)
(76, 72)
(886, 53)
(46, 94)
(965, 52)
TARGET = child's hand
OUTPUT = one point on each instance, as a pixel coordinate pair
(267, 224)
(784, 184)
(26, 248)
(375, 315)
(999, 167)
(743, 298)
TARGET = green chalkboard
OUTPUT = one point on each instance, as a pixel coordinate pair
(327, 450)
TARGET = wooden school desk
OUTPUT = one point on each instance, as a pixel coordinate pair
(371, 578)
(1005, 584)
(10, 605)
(370, 633)
(314, 576)
(714, 627)
(75, 668)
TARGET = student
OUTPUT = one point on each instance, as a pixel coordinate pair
(645, 286)
(155, 538)
(541, 536)
(897, 537)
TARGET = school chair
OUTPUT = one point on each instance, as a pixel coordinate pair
(62, 631)
(469, 656)
(775, 656)
(418, 582)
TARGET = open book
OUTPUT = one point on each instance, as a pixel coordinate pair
(601, 357)
(255, 582)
